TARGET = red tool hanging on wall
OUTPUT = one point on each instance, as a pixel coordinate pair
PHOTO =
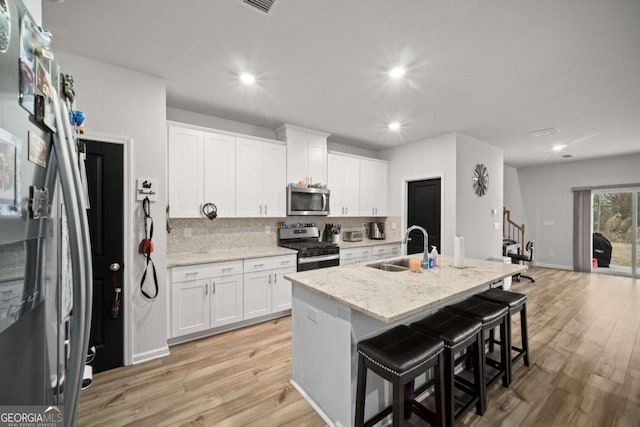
(146, 248)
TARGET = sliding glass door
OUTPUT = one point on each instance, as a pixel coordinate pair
(616, 216)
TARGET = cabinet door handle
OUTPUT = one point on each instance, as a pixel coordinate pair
(269, 278)
(214, 287)
(228, 269)
(275, 278)
(206, 289)
(260, 209)
(346, 210)
(258, 265)
(265, 209)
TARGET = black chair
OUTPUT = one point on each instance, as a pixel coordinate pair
(461, 335)
(518, 258)
(399, 355)
(492, 316)
(517, 303)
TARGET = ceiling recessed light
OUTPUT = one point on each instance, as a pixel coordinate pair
(558, 147)
(397, 72)
(247, 78)
(394, 125)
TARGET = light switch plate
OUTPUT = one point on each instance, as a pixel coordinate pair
(147, 187)
(496, 226)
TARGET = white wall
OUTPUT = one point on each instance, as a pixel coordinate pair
(546, 192)
(129, 104)
(197, 119)
(474, 217)
(431, 158)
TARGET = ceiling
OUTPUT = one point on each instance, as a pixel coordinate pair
(493, 69)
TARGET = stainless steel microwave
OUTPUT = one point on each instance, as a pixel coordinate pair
(308, 201)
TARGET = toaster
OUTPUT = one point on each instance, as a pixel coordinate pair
(352, 236)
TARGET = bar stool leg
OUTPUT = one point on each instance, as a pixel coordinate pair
(409, 389)
(523, 332)
(449, 413)
(439, 387)
(505, 350)
(360, 391)
(478, 374)
(398, 402)
(492, 339)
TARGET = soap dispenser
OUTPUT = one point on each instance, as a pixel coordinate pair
(434, 256)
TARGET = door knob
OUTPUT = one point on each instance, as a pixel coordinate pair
(114, 267)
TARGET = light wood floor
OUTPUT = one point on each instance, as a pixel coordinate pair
(585, 370)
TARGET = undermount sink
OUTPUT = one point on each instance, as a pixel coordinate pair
(393, 266)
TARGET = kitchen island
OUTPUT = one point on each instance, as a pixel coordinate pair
(334, 308)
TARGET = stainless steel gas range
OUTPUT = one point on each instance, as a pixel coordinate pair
(312, 253)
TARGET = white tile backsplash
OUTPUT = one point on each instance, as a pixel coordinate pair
(204, 235)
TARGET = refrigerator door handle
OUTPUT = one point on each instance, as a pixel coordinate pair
(80, 251)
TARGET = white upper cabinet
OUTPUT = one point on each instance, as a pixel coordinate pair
(306, 153)
(274, 180)
(220, 173)
(185, 172)
(202, 169)
(260, 178)
(373, 188)
(248, 177)
(344, 183)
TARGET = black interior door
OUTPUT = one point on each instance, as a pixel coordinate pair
(105, 179)
(423, 209)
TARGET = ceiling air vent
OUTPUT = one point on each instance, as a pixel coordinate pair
(567, 156)
(262, 5)
(544, 132)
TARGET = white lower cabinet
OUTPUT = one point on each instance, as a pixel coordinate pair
(257, 294)
(355, 255)
(266, 290)
(390, 250)
(226, 300)
(369, 253)
(205, 296)
(189, 307)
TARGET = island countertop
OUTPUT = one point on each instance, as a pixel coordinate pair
(392, 296)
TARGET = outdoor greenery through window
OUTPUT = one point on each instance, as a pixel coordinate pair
(615, 226)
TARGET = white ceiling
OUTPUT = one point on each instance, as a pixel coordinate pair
(493, 69)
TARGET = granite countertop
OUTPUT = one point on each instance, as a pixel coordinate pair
(190, 258)
(392, 296)
(367, 242)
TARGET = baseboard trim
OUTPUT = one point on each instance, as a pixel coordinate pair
(559, 267)
(150, 355)
(314, 405)
(226, 328)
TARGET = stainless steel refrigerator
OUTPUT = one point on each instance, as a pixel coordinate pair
(45, 255)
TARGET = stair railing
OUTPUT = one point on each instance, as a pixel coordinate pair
(511, 229)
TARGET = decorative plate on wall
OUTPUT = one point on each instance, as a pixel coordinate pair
(480, 179)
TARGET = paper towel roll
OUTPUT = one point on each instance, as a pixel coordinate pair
(458, 252)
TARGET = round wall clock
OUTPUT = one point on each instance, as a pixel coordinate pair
(480, 179)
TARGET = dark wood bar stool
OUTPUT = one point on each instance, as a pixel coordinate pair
(399, 355)
(460, 335)
(491, 315)
(517, 303)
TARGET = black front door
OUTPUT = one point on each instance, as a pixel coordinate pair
(105, 180)
(423, 209)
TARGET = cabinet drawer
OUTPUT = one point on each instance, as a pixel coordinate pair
(205, 271)
(269, 263)
(390, 249)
